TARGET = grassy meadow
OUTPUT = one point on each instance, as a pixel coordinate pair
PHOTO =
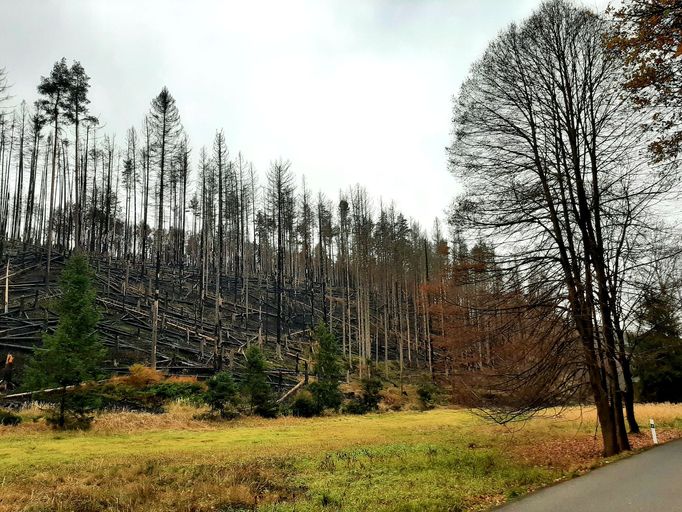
(444, 459)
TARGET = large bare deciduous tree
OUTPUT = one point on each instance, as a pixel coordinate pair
(549, 152)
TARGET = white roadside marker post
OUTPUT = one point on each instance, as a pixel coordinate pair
(653, 430)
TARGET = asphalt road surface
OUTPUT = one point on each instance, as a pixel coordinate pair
(648, 482)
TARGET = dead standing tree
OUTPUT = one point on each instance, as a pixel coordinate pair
(37, 123)
(4, 86)
(280, 195)
(4, 176)
(220, 157)
(164, 120)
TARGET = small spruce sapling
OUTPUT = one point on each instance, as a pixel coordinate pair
(222, 395)
(256, 387)
(327, 360)
(73, 354)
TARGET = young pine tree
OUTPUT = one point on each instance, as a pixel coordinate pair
(73, 354)
(222, 395)
(256, 387)
(328, 370)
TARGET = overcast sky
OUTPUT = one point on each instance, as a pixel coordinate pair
(349, 91)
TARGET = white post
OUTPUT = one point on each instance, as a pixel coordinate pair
(653, 430)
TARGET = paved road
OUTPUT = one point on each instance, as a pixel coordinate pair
(648, 482)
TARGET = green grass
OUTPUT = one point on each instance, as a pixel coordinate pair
(410, 477)
(438, 460)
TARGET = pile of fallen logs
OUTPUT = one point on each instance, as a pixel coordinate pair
(189, 341)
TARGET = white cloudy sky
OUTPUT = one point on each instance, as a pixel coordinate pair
(351, 91)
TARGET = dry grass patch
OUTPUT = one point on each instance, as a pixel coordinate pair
(445, 459)
(156, 484)
(569, 439)
(178, 416)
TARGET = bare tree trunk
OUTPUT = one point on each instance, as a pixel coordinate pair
(52, 186)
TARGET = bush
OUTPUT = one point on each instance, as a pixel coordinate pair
(354, 406)
(427, 393)
(74, 421)
(371, 389)
(222, 395)
(174, 390)
(142, 376)
(369, 398)
(143, 390)
(326, 395)
(305, 405)
(186, 379)
(8, 418)
(117, 393)
(392, 399)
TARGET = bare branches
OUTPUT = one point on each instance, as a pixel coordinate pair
(552, 159)
(4, 86)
